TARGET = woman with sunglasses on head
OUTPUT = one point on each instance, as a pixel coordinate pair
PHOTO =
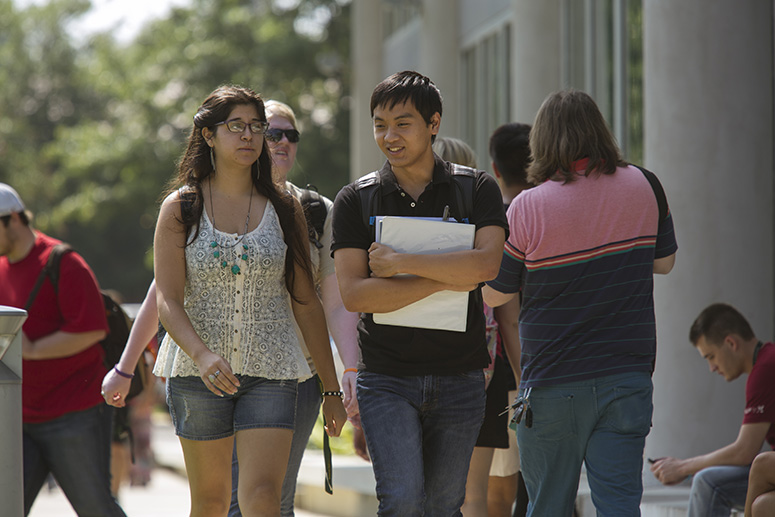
(232, 279)
(282, 137)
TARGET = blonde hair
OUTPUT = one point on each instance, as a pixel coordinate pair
(280, 109)
(454, 150)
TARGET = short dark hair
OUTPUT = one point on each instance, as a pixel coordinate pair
(567, 128)
(510, 151)
(408, 86)
(716, 322)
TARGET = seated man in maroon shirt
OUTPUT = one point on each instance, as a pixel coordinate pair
(724, 338)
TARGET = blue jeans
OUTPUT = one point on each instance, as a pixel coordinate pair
(75, 448)
(421, 431)
(716, 491)
(307, 408)
(600, 422)
(198, 414)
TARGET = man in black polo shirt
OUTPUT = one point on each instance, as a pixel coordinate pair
(420, 391)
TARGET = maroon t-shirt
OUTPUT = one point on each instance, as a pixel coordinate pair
(54, 387)
(760, 392)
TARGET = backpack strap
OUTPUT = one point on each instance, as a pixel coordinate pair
(315, 212)
(464, 179)
(50, 270)
(659, 192)
(368, 187)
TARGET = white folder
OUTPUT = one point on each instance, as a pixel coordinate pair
(444, 310)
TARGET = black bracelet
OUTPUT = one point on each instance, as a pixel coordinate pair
(124, 375)
(339, 394)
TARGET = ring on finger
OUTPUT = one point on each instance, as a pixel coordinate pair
(217, 373)
(212, 378)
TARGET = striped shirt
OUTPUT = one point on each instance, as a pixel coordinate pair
(583, 255)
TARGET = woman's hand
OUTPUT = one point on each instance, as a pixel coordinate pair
(335, 415)
(349, 380)
(115, 388)
(216, 373)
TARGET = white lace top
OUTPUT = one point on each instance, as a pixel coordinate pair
(246, 318)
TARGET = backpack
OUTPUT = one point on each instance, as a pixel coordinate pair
(463, 178)
(118, 322)
(315, 213)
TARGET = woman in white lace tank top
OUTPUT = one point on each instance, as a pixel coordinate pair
(233, 279)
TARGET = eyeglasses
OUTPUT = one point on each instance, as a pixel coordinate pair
(274, 134)
(237, 126)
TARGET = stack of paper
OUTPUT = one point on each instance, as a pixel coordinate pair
(445, 310)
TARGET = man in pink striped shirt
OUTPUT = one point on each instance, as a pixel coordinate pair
(583, 247)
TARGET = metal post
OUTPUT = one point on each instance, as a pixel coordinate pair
(11, 472)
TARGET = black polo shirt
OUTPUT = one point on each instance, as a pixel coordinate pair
(393, 350)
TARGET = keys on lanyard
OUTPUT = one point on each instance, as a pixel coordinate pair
(522, 409)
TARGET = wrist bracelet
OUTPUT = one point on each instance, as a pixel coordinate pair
(339, 394)
(124, 375)
(351, 370)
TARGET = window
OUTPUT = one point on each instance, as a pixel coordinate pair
(396, 15)
(486, 90)
(602, 54)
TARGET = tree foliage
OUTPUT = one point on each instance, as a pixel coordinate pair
(91, 129)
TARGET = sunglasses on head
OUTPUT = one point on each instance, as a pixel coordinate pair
(274, 134)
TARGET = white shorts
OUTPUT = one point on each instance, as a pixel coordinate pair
(505, 462)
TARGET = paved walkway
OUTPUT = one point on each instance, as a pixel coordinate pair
(165, 496)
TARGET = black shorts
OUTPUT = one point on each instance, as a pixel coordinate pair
(495, 431)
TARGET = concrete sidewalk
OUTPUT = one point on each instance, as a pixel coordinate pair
(166, 495)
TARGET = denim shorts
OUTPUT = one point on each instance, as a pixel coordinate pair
(199, 414)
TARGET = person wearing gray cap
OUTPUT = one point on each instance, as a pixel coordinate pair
(66, 424)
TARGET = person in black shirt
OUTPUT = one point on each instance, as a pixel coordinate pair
(420, 391)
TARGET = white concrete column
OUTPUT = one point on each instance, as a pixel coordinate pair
(366, 49)
(440, 57)
(536, 55)
(708, 83)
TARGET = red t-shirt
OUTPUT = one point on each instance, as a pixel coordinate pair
(760, 392)
(54, 387)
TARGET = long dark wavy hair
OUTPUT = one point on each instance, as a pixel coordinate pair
(195, 167)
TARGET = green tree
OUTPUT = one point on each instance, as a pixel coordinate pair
(90, 131)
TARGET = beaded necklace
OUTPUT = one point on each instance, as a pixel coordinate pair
(235, 268)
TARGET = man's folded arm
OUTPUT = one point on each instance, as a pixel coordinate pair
(364, 293)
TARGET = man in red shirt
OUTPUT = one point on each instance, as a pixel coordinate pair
(724, 338)
(66, 424)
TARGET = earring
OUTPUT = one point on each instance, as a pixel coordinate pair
(212, 159)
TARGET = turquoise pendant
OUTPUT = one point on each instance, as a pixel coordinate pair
(235, 269)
